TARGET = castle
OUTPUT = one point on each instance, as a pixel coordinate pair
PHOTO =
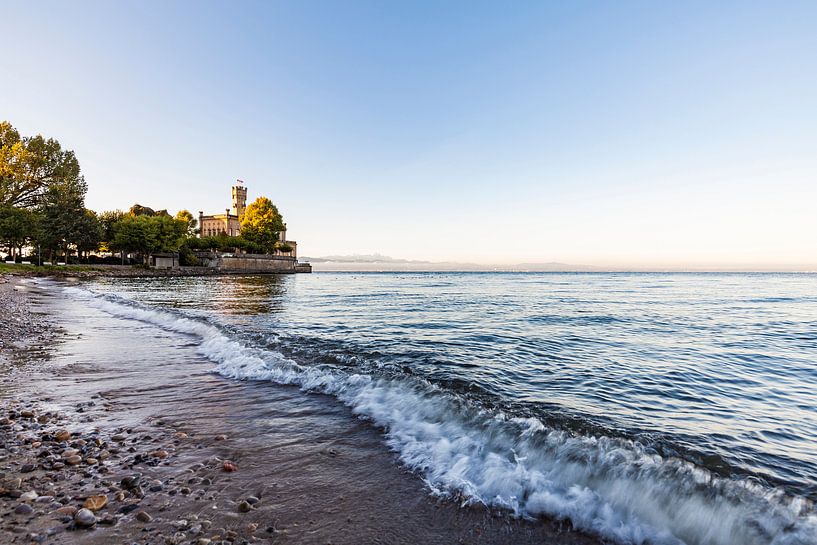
(229, 223)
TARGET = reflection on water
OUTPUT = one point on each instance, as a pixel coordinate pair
(720, 369)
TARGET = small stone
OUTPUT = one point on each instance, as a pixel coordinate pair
(91, 461)
(73, 460)
(66, 511)
(27, 468)
(125, 509)
(244, 506)
(24, 509)
(229, 466)
(203, 541)
(143, 516)
(221, 437)
(161, 454)
(180, 435)
(62, 435)
(95, 503)
(27, 413)
(84, 518)
(252, 500)
(29, 496)
(130, 482)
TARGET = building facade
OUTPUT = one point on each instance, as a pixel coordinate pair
(227, 223)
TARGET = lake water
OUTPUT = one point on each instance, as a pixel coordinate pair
(644, 408)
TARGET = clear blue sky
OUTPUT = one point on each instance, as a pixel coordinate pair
(608, 133)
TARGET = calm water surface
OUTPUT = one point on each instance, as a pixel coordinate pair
(640, 406)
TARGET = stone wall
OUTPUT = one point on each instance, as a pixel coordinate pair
(257, 263)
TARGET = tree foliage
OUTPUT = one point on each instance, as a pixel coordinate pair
(18, 227)
(148, 234)
(262, 224)
(64, 220)
(30, 165)
(189, 220)
(225, 243)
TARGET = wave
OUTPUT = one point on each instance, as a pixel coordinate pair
(611, 487)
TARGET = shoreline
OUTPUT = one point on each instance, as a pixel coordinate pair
(309, 472)
(119, 271)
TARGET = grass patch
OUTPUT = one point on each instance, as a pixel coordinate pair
(45, 269)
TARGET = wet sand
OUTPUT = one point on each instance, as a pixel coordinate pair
(308, 471)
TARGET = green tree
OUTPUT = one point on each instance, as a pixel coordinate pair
(149, 234)
(18, 227)
(262, 224)
(89, 233)
(63, 216)
(30, 165)
(108, 220)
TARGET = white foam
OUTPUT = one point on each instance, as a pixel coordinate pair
(602, 485)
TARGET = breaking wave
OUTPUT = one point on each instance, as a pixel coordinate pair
(611, 487)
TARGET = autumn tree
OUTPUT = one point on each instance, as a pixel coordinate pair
(189, 220)
(262, 223)
(30, 165)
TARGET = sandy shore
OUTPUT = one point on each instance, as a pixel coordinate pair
(95, 450)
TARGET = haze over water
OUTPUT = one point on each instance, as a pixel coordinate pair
(670, 408)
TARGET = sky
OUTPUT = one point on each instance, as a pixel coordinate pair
(619, 134)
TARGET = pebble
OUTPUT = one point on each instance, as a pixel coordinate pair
(95, 503)
(24, 509)
(29, 496)
(85, 518)
(62, 435)
(229, 466)
(244, 506)
(67, 511)
(73, 460)
(143, 516)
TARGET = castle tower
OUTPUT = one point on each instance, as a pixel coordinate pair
(239, 198)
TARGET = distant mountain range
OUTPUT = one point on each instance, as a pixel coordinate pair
(378, 262)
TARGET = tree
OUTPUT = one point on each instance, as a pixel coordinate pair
(108, 220)
(89, 233)
(63, 216)
(189, 220)
(149, 234)
(29, 166)
(262, 224)
(18, 227)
